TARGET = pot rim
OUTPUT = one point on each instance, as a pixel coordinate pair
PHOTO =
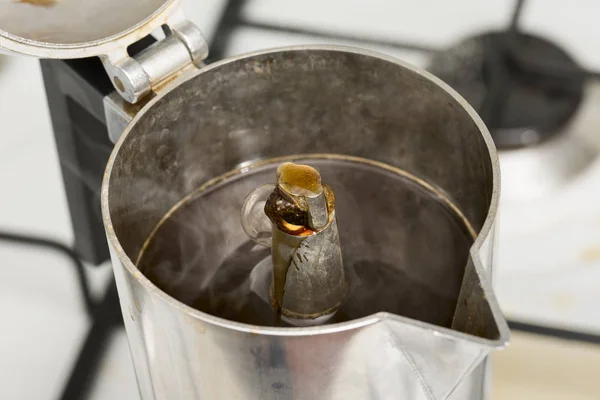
(483, 234)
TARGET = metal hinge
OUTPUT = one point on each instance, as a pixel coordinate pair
(136, 77)
(119, 113)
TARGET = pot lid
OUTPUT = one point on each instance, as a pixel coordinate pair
(77, 28)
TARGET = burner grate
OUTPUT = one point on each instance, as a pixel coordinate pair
(525, 88)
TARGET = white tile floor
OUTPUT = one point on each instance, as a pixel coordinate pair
(42, 318)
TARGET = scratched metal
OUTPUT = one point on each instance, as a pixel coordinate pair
(78, 28)
(298, 101)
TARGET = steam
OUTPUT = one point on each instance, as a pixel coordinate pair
(404, 251)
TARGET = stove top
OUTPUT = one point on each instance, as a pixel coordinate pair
(524, 87)
(541, 108)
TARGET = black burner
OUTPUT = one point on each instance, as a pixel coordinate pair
(524, 87)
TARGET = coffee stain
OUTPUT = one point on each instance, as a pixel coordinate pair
(563, 302)
(299, 179)
(136, 302)
(590, 255)
(199, 328)
(39, 3)
(195, 323)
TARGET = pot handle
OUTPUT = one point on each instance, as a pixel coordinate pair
(255, 222)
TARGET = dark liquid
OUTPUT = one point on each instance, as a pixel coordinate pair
(404, 247)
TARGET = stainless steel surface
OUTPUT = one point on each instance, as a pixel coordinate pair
(308, 280)
(117, 115)
(77, 29)
(316, 288)
(135, 77)
(302, 101)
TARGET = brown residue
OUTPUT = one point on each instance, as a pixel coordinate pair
(590, 255)
(330, 198)
(276, 291)
(287, 206)
(136, 302)
(299, 180)
(199, 327)
(195, 323)
(289, 216)
(563, 302)
(40, 3)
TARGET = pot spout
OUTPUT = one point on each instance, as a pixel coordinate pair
(440, 357)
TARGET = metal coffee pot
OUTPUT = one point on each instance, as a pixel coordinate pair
(393, 141)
